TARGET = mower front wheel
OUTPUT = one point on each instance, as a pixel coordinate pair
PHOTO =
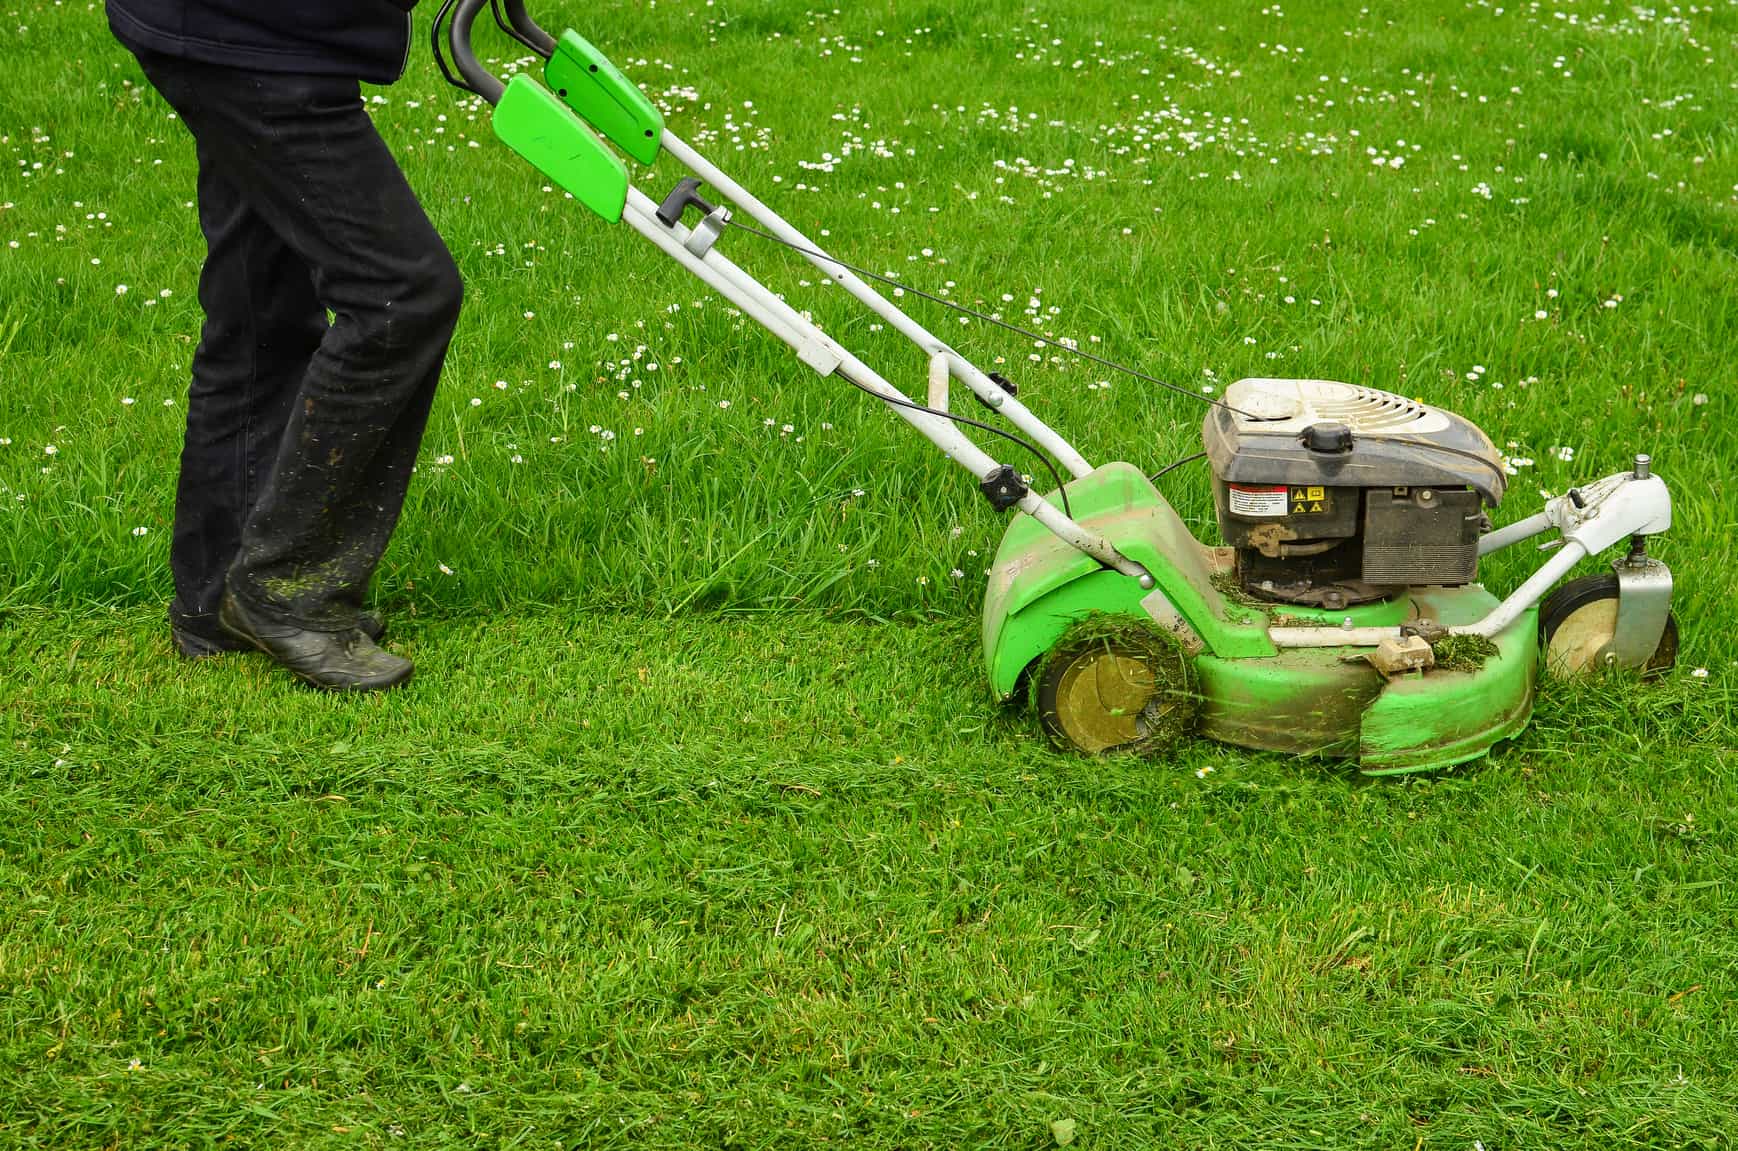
(1129, 690)
(1578, 619)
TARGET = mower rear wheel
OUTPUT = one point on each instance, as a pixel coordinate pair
(1578, 619)
(1114, 693)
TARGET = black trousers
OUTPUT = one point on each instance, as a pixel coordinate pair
(301, 430)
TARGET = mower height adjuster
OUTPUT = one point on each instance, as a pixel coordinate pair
(1003, 488)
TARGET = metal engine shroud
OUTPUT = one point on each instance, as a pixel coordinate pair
(1335, 494)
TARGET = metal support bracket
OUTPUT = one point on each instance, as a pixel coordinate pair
(814, 354)
(1644, 599)
(1163, 612)
(939, 370)
(707, 231)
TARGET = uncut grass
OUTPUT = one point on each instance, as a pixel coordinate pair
(732, 512)
(755, 883)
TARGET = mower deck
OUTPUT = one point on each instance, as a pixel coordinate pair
(1322, 701)
(1331, 701)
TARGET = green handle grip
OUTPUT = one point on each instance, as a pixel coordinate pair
(588, 83)
(534, 123)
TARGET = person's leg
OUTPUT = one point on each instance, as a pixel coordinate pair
(304, 156)
(262, 325)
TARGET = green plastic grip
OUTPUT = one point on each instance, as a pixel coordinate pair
(530, 120)
(607, 100)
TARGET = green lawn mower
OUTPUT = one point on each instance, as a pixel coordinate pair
(1341, 617)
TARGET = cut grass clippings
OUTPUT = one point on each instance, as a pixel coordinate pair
(1462, 652)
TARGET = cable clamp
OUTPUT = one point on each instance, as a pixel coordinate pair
(1003, 487)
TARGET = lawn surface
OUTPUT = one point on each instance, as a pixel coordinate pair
(697, 827)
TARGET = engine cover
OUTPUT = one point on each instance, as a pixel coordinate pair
(1334, 493)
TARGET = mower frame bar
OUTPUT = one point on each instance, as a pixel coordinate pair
(1632, 504)
(930, 344)
(826, 356)
(482, 81)
(526, 29)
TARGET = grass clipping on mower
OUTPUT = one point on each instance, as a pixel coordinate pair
(1171, 714)
(1462, 652)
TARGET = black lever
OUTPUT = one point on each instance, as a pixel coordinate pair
(1003, 487)
(686, 193)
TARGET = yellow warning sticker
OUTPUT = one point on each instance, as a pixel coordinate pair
(1309, 501)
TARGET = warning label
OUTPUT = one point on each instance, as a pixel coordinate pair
(1310, 501)
(1262, 501)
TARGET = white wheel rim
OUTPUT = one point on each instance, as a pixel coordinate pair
(1575, 645)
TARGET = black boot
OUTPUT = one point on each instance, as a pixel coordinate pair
(198, 637)
(332, 661)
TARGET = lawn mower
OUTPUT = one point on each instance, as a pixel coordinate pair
(1342, 615)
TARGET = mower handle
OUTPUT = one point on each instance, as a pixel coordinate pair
(522, 27)
(480, 80)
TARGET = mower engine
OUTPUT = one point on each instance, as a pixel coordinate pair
(1334, 494)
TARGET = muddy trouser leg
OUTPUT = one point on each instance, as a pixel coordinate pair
(305, 158)
(262, 326)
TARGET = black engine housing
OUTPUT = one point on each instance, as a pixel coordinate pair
(1334, 494)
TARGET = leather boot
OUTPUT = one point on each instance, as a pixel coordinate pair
(201, 637)
(331, 661)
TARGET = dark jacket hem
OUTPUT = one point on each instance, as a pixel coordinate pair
(137, 36)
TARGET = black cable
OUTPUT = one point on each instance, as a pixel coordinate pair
(501, 22)
(1175, 464)
(434, 35)
(1432, 446)
(1061, 489)
(946, 303)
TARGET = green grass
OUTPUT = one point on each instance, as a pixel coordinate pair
(696, 828)
(630, 890)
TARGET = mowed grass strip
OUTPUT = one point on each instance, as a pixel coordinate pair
(765, 881)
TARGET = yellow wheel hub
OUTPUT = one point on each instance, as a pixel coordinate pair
(1101, 698)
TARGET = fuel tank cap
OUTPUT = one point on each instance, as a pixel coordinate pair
(1328, 436)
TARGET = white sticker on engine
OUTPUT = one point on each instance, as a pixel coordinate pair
(1262, 501)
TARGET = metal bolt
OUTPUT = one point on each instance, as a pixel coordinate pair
(1426, 496)
(1146, 581)
(1643, 467)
